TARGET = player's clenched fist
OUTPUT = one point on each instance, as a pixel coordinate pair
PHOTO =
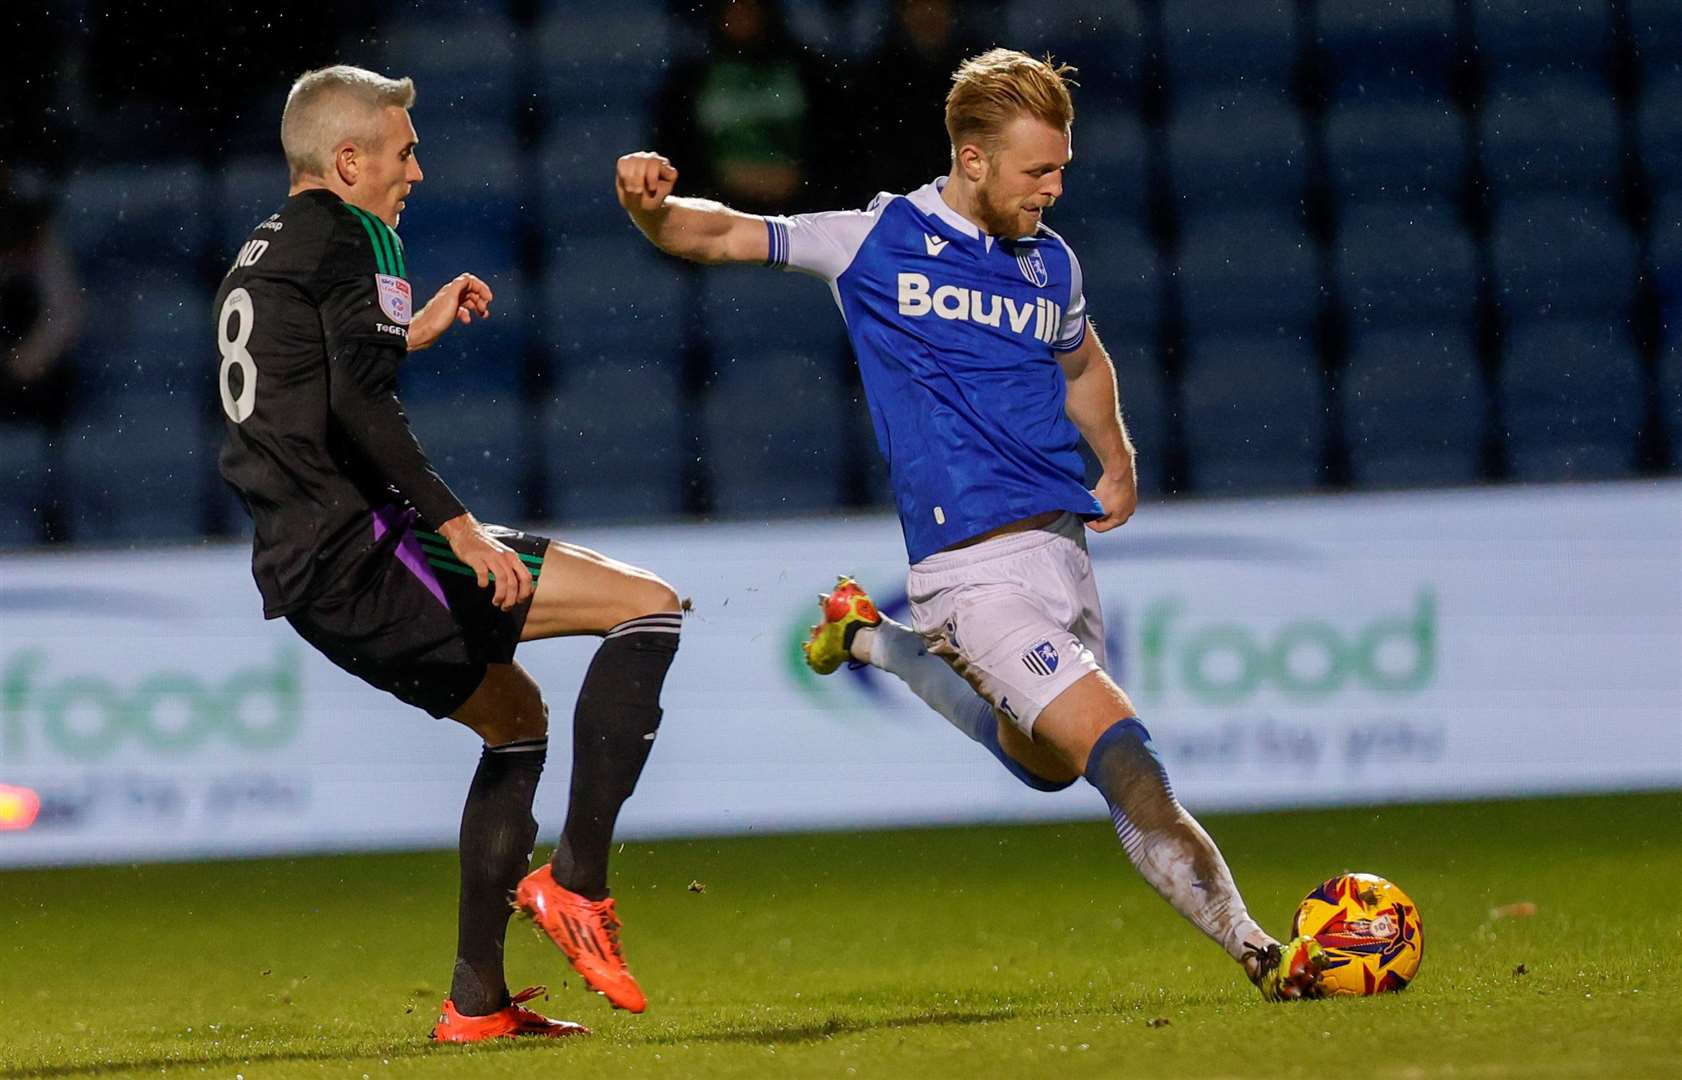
(643, 180)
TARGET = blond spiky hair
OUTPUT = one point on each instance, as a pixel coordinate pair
(993, 89)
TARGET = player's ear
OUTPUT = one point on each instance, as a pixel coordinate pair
(345, 160)
(973, 161)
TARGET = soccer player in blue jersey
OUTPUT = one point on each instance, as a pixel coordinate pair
(968, 320)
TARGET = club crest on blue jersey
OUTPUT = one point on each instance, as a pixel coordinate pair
(1032, 265)
(396, 299)
(1041, 659)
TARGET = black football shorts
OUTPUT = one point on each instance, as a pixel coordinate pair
(411, 619)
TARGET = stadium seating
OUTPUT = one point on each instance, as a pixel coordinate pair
(1247, 271)
(614, 440)
(1396, 150)
(24, 477)
(1660, 125)
(1414, 403)
(1144, 406)
(1237, 149)
(1252, 414)
(139, 466)
(1251, 43)
(1120, 278)
(1553, 135)
(1572, 396)
(1406, 264)
(772, 426)
(1382, 51)
(481, 445)
(616, 295)
(1106, 180)
(465, 78)
(1670, 395)
(1519, 37)
(124, 215)
(1563, 257)
(1658, 33)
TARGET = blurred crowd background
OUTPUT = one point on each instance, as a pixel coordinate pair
(1331, 244)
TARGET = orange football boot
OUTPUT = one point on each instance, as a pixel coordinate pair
(843, 613)
(587, 931)
(508, 1022)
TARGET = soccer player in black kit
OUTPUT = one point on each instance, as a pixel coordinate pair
(366, 552)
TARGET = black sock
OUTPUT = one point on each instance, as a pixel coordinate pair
(612, 732)
(497, 833)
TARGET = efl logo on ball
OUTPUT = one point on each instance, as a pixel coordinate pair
(1370, 931)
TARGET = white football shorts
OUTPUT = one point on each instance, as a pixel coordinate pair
(1017, 615)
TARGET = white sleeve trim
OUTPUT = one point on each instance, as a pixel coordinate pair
(822, 244)
(1073, 329)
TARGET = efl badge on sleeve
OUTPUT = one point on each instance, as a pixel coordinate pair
(1032, 265)
(396, 300)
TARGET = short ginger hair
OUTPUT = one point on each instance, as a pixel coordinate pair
(991, 90)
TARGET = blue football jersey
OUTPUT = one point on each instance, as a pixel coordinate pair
(956, 333)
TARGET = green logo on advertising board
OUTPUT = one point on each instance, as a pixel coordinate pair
(1222, 663)
(88, 718)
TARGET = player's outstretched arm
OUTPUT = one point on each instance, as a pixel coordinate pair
(458, 301)
(696, 229)
(1092, 405)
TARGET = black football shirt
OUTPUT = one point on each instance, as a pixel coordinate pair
(311, 324)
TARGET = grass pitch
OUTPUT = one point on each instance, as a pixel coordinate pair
(983, 952)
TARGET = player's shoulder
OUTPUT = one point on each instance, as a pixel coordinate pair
(1052, 238)
(358, 242)
(1057, 250)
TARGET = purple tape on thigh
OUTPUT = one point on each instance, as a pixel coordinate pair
(409, 553)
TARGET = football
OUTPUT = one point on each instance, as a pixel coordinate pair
(1370, 930)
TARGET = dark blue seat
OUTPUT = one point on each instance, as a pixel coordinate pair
(1252, 272)
(1414, 404)
(250, 189)
(749, 309)
(1573, 399)
(1563, 257)
(1660, 126)
(486, 358)
(24, 483)
(1658, 33)
(479, 445)
(1517, 38)
(1406, 150)
(1380, 50)
(1253, 407)
(1252, 43)
(463, 66)
(772, 434)
(577, 169)
(1670, 395)
(136, 214)
(614, 441)
(1108, 176)
(138, 467)
(616, 296)
(1144, 406)
(1552, 135)
(1406, 264)
(1100, 35)
(1239, 149)
(1120, 278)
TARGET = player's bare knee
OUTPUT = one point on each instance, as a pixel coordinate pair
(532, 721)
(648, 595)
